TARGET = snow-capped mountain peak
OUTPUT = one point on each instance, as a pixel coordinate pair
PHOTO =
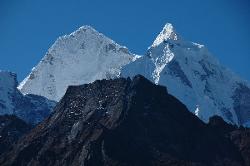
(168, 32)
(193, 75)
(80, 57)
(87, 29)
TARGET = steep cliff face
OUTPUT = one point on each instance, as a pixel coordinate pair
(31, 108)
(124, 122)
(81, 57)
(195, 77)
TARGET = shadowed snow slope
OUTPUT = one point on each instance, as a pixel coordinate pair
(30, 108)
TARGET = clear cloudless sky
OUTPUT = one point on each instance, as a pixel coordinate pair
(29, 27)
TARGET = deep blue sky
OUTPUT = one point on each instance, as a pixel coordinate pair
(29, 27)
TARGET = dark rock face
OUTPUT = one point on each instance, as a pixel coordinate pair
(208, 69)
(125, 122)
(240, 137)
(241, 103)
(11, 129)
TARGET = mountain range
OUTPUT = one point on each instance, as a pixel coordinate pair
(90, 101)
(189, 71)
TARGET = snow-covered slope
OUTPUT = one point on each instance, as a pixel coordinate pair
(195, 77)
(31, 108)
(8, 84)
(81, 57)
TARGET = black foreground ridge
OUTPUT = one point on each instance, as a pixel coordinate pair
(128, 122)
(11, 129)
